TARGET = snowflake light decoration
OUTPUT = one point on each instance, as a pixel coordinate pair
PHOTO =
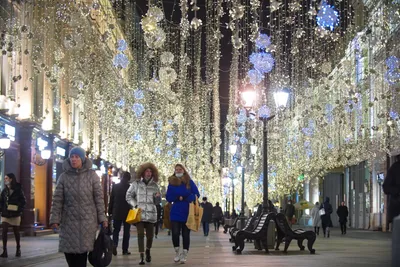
(243, 140)
(121, 60)
(158, 125)
(392, 77)
(330, 146)
(120, 103)
(157, 150)
(327, 16)
(137, 137)
(139, 94)
(264, 112)
(170, 141)
(393, 115)
(138, 109)
(122, 45)
(170, 133)
(329, 113)
(242, 129)
(263, 41)
(262, 61)
(242, 117)
(392, 62)
(255, 77)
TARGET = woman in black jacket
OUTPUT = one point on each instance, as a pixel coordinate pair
(12, 203)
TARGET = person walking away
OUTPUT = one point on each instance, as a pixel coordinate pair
(217, 216)
(391, 187)
(77, 208)
(246, 211)
(289, 212)
(181, 191)
(326, 218)
(144, 193)
(159, 221)
(207, 215)
(343, 212)
(118, 210)
(12, 203)
(316, 219)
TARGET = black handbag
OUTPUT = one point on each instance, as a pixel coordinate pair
(101, 255)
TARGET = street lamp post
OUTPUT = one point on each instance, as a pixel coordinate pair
(281, 98)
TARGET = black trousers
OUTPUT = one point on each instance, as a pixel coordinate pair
(117, 229)
(177, 228)
(76, 260)
(343, 227)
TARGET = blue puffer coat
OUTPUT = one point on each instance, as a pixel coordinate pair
(181, 187)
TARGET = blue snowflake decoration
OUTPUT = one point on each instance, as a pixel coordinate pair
(138, 109)
(264, 112)
(137, 137)
(329, 113)
(255, 77)
(262, 61)
(120, 103)
(177, 153)
(263, 41)
(309, 131)
(307, 144)
(347, 139)
(170, 141)
(393, 115)
(327, 16)
(309, 153)
(330, 146)
(170, 133)
(170, 122)
(242, 129)
(121, 60)
(392, 62)
(138, 94)
(157, 150)
(243, 140)
(122, 45)
(169, 153)
(242, 117)
(392, 77)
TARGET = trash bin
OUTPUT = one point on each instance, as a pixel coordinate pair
(270, 236)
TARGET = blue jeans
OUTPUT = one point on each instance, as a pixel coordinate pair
(206, 227)
(125, 240)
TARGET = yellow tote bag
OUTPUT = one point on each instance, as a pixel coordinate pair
(134, 216)
(195, 214)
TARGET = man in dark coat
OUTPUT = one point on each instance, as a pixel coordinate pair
(391, 187)
(343, 212)
(289, 212)
(207, 215)
(326, 217)
(119, 209)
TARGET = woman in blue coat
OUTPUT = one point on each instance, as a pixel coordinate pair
(181, 191)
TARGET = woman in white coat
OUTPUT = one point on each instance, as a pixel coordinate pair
(316, 219)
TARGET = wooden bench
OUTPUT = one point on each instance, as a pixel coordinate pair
(284, 231)
(258, 234)
(229, 226)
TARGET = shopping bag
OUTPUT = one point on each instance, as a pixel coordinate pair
(195, 215)
(166, 216)
(134, 216)
(322, 212)
(101, 255)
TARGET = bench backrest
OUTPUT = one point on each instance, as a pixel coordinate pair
(282, 223)
(262, 223)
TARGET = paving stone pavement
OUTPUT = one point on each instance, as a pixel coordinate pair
(356, 249)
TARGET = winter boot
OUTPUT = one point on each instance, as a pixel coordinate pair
(184, 256)
(114, 252)
(148, 256)
(18, 253)
(177, 257)
(141, 259)
(4, 254)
